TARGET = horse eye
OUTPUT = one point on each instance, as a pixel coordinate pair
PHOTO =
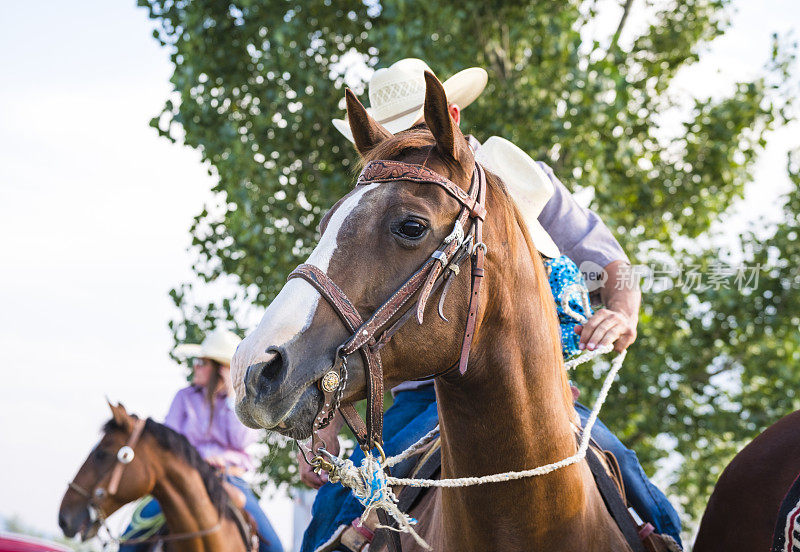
(411, 229)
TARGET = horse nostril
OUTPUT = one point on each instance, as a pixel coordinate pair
(66, 526)
(272, 368)
(263, 372)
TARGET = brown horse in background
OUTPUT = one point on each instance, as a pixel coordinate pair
(513, 408)
(743, 509)
(191, 494)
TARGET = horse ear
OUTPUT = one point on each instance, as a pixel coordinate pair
(120, 415)
(449, 140)
(367, 132)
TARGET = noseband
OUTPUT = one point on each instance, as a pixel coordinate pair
(370, 336)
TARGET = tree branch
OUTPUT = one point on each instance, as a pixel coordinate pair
(626, 8)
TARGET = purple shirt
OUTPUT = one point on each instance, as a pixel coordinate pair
(225, 438)
(578, 232)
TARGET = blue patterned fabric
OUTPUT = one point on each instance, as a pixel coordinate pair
(568, 288)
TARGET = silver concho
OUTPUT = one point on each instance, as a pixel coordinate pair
(330, 381)
(125, 455)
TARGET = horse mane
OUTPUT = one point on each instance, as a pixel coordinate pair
(421, 141)
(177, 444)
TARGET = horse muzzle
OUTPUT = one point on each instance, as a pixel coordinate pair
(78, 522)
(276, 398)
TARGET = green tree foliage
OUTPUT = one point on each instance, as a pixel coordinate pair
(257, 82)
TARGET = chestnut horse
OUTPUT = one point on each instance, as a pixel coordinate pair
(511, 410)
(164, 464)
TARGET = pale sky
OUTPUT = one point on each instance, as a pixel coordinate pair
(94, 217)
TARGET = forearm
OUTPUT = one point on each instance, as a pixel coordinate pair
(621, 291)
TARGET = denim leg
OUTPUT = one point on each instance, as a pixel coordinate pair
(151, 510)
(412, 415)
(648, 501)
(270, 541)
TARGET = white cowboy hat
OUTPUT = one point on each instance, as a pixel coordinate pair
(526, 182)
(218, 345)
(397, 94)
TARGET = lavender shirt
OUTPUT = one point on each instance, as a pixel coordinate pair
(226, 437)
(579, 233)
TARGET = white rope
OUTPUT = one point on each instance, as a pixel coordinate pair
(372, 487)
(413, 449)
(587, 355)
(584, 357)
(616, 364)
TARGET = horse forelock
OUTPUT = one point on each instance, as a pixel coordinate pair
(416, 145)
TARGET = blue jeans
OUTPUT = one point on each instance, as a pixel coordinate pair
(414, 413)
(270, 542)
(648, 501)
(411, 416)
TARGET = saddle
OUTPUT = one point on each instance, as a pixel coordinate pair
(157, 528)
(641, 536)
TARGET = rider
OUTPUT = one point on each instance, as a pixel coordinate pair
(202, 413)
(397, 98)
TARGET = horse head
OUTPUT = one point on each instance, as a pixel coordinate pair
(93, 494)
(371, 241)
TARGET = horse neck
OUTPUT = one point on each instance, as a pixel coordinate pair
(511, 411)
(187, 507)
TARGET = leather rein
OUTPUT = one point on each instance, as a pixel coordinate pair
(370, 336)
(125, 456)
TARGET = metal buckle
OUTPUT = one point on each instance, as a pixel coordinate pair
(318, 463)
(440, 256)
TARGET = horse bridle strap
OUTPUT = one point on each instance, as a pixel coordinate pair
(125, 456)
(366, 335)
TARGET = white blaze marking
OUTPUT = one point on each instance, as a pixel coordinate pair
(291, 312)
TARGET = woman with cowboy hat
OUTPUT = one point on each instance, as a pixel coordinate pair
(566, 234)
(204, 415)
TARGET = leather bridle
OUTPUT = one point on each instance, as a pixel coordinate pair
(370, 336)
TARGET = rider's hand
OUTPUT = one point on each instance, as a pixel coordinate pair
(216, 461)
(605, 327)
(307, 475)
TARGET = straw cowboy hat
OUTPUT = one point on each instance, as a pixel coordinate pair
(397, 94)
(218, 345)
(526, 182)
